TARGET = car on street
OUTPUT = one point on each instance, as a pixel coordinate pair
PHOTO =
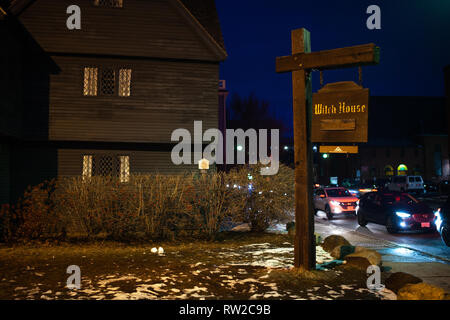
(382, 183)
(413, 184)
(430, 188)
(398, 211)
(335, 200)
(442, 222)
(366, 187)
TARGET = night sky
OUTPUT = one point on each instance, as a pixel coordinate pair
(414, 41)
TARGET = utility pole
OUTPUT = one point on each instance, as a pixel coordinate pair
(301, 63)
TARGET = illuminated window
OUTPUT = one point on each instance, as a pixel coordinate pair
(90, 81)
(109, 3)
(108, 81)
(87, 167)
(124, 82)
(124, 168)
(388, 170)
(402, 170)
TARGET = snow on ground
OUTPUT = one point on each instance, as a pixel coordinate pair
(242, 272)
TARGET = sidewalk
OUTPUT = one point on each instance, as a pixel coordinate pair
(431, 269)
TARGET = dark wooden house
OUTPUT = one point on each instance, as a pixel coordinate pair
(103, 99)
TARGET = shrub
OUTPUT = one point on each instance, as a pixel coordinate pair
(34, 216)
(269, 199)
(149, 206)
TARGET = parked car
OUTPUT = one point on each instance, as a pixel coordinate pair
(406, 184)
(382, 183)
(442, 222)
(366, 187)
(334, 201)
(398, 211)
(430, 188)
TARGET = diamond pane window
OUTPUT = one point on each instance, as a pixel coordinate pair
(108, 81)
(90, 81)
(103, 166)
(87, 167)
(124, 82)
(109, 3)
(124, 168)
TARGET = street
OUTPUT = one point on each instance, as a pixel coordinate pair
(428, 243)
(422, 254)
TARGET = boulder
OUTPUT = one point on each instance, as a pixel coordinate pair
(334, 241)
(421, 291)
(371, 255)
(341, 251)
(398, 280)
(360, 263)
(244, 227)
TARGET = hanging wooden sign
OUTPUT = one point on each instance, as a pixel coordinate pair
(340, 113)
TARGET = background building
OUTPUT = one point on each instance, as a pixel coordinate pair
(407, 135)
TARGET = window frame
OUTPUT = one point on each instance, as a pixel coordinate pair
(116, 70)
(108, 7)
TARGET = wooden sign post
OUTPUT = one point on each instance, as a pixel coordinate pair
(301, 63)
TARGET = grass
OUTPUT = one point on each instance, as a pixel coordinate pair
(237, 266)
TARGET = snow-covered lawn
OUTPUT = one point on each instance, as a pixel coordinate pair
(247, 267)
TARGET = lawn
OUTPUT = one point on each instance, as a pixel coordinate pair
(239, 266)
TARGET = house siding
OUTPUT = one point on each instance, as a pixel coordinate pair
(141, 28)
(165, 95)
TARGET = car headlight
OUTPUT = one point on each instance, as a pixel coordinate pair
(334, 203)
(438, 221)
(402, 214)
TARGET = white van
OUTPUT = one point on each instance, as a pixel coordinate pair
(406, 184)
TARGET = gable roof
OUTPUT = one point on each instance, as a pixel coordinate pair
(204, 12)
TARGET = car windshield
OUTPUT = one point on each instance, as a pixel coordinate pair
(338, 193)
(402, 198)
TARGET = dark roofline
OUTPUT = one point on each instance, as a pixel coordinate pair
(18, 6)
(213, 38)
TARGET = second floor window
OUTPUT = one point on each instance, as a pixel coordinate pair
(90, 81)
(107, 81)
(109, 3)
(124, 82)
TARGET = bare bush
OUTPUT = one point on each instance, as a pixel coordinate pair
(150, 206)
